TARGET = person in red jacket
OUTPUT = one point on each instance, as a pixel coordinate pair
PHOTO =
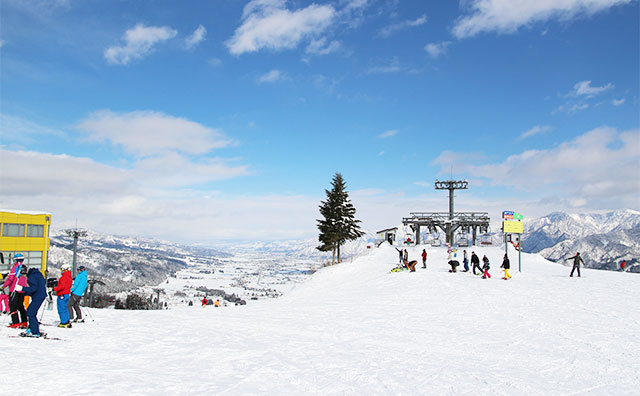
(63, 291)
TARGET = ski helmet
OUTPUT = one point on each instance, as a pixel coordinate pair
(65, 267)
(18, 257)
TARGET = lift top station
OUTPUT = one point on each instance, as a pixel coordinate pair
(450, 222)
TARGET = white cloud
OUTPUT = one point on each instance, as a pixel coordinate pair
(584, 88)
(392, 67)
(388, 134)
(508, 16)
(17, 129)
(618, 102)
(536, 130)
(196, 37)
(271, 76)
(138, 43)
(144, 133)
(436, 49)
(269, 24)
(388, 30)
(322, 47)
(215, 62)
(599, 167)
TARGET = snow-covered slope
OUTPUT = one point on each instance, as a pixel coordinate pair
(358, 329)
(603, 239)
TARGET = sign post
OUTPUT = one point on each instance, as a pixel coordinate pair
(512, 224)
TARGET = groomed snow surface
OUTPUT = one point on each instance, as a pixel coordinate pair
(358, 329)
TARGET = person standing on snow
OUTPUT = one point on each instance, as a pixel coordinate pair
(424, 258)
(506, 265)
(37, 289)
(406, 255)
(80, 284)
(475, 262)
(485, 267)
(465, 261)
(576, 263)
(16, 281)
(62, 291)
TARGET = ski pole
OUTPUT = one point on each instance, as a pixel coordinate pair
(86, 309)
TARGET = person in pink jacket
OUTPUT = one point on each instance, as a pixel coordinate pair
(16, 281)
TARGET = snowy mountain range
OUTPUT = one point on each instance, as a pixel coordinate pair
(603, 239)
(124, 263)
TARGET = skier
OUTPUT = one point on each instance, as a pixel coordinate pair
(576, 263)
(485, 267)
(623, 265)
(4, 301)
(62, 291)
(465, 261)
(37, 289)
(411, 265)
(205, 302)
(475, 262)
(80, 284)
(506, 265)
(16, 281)
(424, 258)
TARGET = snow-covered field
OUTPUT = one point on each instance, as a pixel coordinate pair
(358, 329)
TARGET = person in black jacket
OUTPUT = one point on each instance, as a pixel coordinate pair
(506, 265)
(37, 289)
(475, 261)
(576, 263)
(485, 267)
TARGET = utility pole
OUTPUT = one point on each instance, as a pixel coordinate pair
(75, 234)
(451, 185)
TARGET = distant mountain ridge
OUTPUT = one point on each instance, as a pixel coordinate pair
(603, 239)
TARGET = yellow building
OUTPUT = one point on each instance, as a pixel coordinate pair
(26, 233)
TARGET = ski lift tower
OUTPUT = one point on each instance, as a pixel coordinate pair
(75, 234)
(451, 185)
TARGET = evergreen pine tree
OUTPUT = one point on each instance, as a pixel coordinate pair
(339, 224)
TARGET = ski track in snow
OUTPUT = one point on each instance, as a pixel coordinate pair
(358, 329)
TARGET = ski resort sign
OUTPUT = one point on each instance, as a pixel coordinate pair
(512, 227)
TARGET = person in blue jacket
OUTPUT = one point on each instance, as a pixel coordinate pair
(77, 291)
(37, 290)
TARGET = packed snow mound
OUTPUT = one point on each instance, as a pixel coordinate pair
(358, 329)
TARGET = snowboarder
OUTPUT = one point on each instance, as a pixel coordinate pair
(454, 265)
(424, 258)
(62, 291)
(475, 262)
(77, 291)
(411, 265)
(205, 302)
(576, 263)
(485, 267)
(406, 255)
(465, 261)
(217, 303)
(16, 281)
(37, 290)
(506, 265)
(623, 265)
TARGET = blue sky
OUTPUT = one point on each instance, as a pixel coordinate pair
(227, 119)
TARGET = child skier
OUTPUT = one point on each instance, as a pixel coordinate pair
(485, 267)
(16, 281)
(63, 290)
(506, 265)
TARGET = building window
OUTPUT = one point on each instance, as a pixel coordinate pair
(33, 259)
(36, 231)
(12, 230)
